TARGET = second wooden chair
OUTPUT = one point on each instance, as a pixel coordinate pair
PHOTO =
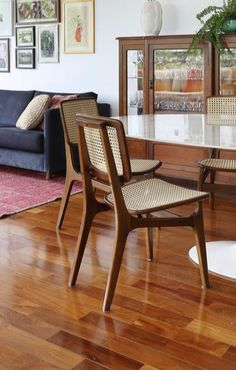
(68, 111)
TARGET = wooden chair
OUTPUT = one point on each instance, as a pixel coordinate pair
(68, 111)
(217, 107)
(104, 155)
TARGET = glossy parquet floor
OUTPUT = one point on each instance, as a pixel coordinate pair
(160, 317)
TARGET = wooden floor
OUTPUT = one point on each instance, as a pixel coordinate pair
(160, 317)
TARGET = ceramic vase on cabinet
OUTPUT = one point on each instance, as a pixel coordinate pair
(151, 17)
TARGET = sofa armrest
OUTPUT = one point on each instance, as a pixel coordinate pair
(104, 109)
(54, 146)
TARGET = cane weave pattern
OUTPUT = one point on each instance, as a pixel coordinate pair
(219, 164)
(143, 165)
(155, 194)
(96, 152)
(70, 109)
(221, 105)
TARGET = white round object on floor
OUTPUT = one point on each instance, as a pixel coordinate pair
(221, 257)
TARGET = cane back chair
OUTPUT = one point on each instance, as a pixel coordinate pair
(68, 111)
(103, 153)
(217, 107)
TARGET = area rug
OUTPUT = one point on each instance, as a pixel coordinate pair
(22, 189)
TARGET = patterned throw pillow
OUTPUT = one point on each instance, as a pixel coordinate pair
(57, 99)
(55, 103)
(33, 113)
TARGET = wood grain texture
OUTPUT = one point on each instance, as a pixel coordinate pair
(160, 319)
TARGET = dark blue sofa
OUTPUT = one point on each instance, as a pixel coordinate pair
(38, 150)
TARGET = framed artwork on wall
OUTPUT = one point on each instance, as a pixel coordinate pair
(25, 58)
(6, 18)
(48, 51)
(25, 36)
(4, 55)
(37, 11)
(78, 26)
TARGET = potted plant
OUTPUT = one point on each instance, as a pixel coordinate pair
(215, 20)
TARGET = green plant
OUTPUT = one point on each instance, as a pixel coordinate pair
(214, 21)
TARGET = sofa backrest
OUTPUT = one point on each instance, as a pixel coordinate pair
(89, 94)
(12, 104)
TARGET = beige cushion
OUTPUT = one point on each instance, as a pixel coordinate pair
(33, 113)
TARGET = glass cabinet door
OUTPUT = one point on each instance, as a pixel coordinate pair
(227, 72)
(178, 80)
(225, 67)
(135, 76)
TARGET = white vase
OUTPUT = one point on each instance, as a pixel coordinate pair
(151, 17)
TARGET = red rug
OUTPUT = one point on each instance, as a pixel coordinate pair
(22, 189)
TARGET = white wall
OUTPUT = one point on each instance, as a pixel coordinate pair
(99, 72)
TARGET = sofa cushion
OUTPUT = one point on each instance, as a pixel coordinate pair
(33, 113)
(12, 104)
(14, 138)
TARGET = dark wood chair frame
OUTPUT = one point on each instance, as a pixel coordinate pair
(125, 220)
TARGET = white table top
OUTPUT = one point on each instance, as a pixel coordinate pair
(210, 131)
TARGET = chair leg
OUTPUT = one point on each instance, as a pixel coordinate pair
(212, 198)
(201, 246)
(201, 179)
(119, 246)
(86, 222)
(149, 242)
(64, 201)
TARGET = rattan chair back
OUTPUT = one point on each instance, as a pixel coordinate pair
(69, 109)
(221, 105)
(92, 139)
(220, 110)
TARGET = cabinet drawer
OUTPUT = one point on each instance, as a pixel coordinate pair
(137, 148)
(179, 161)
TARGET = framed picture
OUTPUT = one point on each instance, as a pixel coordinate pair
(25, 36)
(4, 55)
(25, 58)
(48, 43)
(78, 26)
(6, 15)
(37, 11)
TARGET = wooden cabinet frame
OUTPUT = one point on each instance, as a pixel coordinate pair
(148, 44)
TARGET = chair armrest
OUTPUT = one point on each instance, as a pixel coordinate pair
(104, 109)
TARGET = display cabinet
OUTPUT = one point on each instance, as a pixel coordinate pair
(225, 67)
(159, 75)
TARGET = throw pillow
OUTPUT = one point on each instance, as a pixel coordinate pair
(57, 99)
(33, 113)
(55, 103)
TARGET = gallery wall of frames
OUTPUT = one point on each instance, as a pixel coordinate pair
(34, 26)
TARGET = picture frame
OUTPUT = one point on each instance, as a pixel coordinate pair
(25, 36)
(6, 18)
(37, 11)
(78, 26)
(4, 55)
(25, 58)
(48, 49)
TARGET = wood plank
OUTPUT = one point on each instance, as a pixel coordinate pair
(160, 318)
(100, 355)
(27, 343)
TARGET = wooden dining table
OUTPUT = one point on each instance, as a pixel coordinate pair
(209, 131)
